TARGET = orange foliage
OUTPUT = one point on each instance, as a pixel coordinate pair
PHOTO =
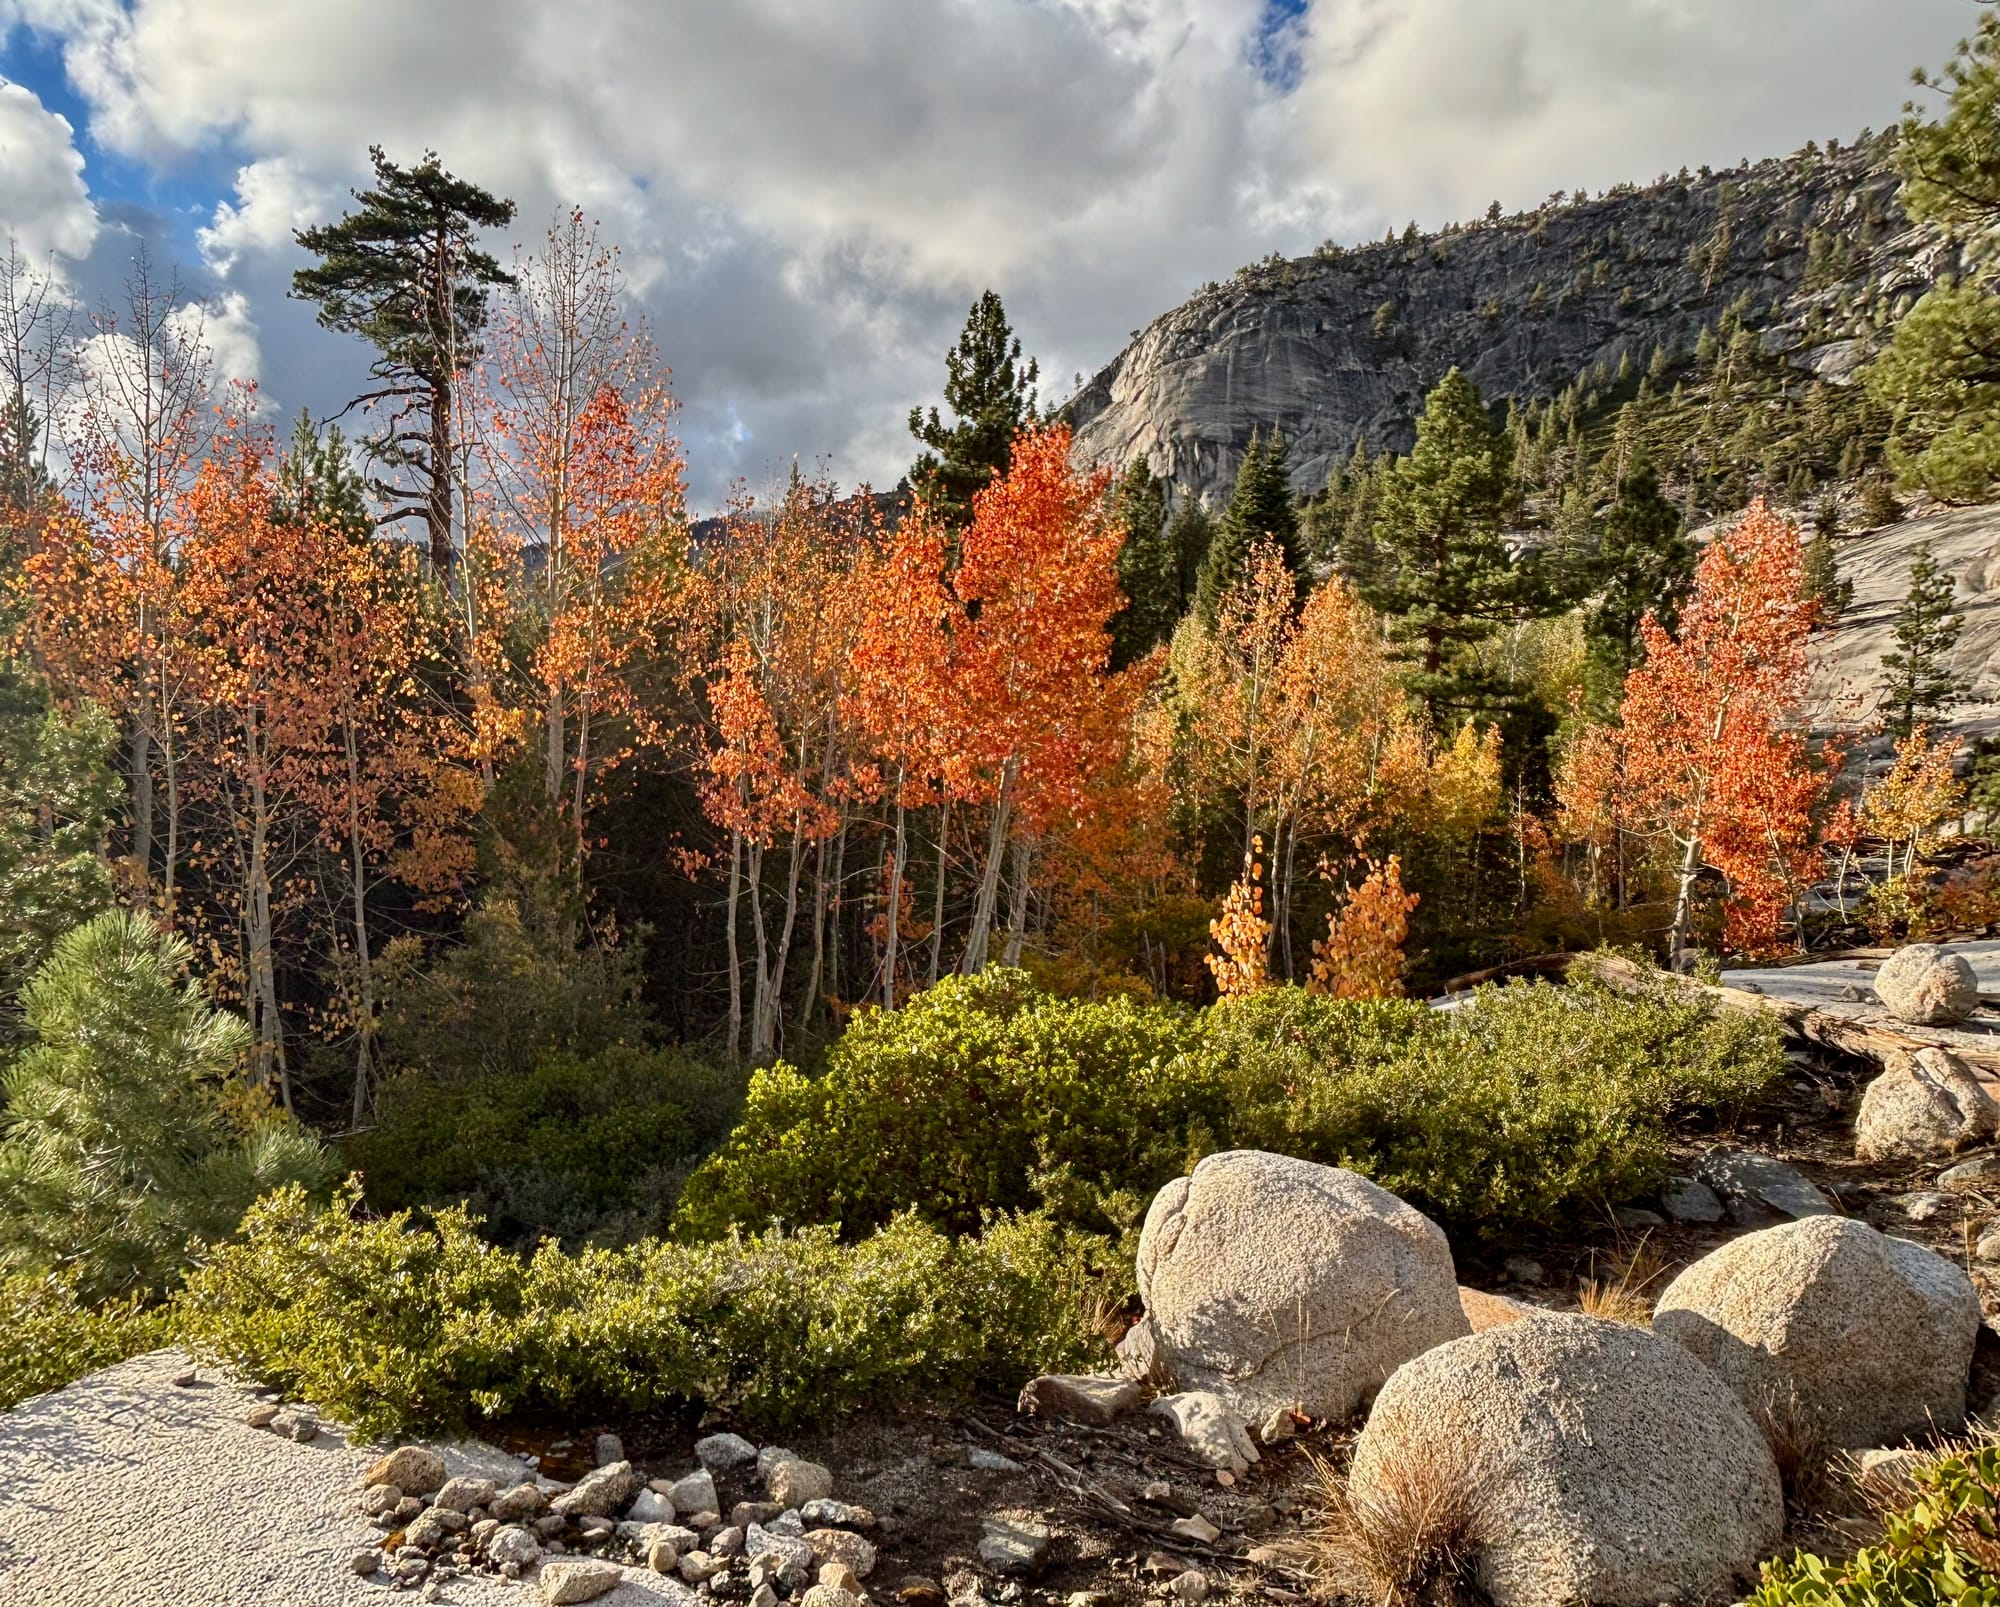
(1361, 956)
(1241, 933)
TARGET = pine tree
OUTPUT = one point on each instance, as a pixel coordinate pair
(1443, 573)
(1918, 683)
(1821, 576)
(1190, 533)
(24, 478)
(316, 480)
(1641, 563)
(1260, 509)
(991, 394)
(1148, 574)
(402, 272)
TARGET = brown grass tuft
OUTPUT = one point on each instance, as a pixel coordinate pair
(1620, 1294)
(1800, 1447)
(1414, 1541)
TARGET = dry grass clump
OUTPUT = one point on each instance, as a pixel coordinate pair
(1621, 1294)
(1802, 1451)
(1412, 1540)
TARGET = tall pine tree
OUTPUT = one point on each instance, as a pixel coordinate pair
(1190, 533)
(1260, 509)
(1918, 684)
(402, 272)
(1441, 569)
(991, 394)
(1147, 571)
(1640, 561)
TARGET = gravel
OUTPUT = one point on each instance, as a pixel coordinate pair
(124, 1491)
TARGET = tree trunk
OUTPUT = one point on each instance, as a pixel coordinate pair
(735, 960)
(897, 854)
(974, 959)
(1017, 916)
(809, 1003)
(364, 959)
(765, 1026)
(937, 902)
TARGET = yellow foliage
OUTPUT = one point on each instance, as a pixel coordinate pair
(1361, 956)
(1241, 932)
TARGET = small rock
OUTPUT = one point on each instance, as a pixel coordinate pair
(917, 1591)
(299, 1423)
(840, 1577)
(427, 1532)
(830, 1514)
(1688, 1199)
(788, 1523)
(1079, 1398)
(1888, 1473)
(464, 1493)
(522, 1502)
(413, 1469)
(379, 1499)
(1266, 1556)
(825, 1595)
(550, 1524)
(594, 1525)
(1483, 1310)
(1524, 1269)
(1761, 1190)
(405, 1511)
(1637, 1216)
(1196, 1528)
(661, 1557)
(697, 1567)
(187, 1380)
(745, 1513)
(1922, 1205)
(763, 1596)
(433, 1590)
(608, 1449)
(649, 1506)
(366, 1561)
(793, 1483)
(483, 1531)
(599, 1493)
(1088, 1598)
(771, 1455)
(1013, 1549)
(722, 1453)
(726, 1542)
(1988, 1247)
(411, 1569)
(695, 1492)
(1981, 1172)
(1927, 985)
(1209, 1428)
(260, 1416)
(1190, 1587)
(573, 1581)
(1277, 1428)
(792, 1558)
(985, 1461)
(842, 1546)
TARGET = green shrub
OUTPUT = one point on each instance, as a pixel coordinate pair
(398, 1325)
(976, 1096)
(1523, 1106)
(577, 1149)
(1943, 1550)
(49, 1336)
(1513, 1111)
(128, 1139)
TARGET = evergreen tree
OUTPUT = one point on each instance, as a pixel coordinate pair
(402, 272)
(118, 1154)
(1190, 533)
(24, 479)
(1640, 562)
(1147, 571)
(1260, 509)
(1820, 578)
(1443, 575)
(991, 394)
(316, 479)
(1917, 681)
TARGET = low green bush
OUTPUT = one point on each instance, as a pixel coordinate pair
(578, 1149)
(973, 1097)
(1942, 1550)
(399, 1325)
(49, 1335)
(1524, 1106)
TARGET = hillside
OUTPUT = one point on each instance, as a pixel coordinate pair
(1812, 249)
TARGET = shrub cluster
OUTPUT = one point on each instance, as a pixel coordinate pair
(576, 1148)
(1942, 1550)
(1526, 1104)
(48, 1335)
(399, 1325)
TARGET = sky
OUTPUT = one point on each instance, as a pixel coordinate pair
(809, 194)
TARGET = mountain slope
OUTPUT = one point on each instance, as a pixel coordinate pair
(1813, 248)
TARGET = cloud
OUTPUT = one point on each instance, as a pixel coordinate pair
(810, 196)
(43, 201)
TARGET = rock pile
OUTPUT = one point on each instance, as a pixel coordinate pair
(577, 1541)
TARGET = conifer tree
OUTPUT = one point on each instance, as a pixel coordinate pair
(1918, 683)
(1148, 574)
(991, 394)
(1640, 562)
(1190, 533)
(1442, 571)
(1821, 578)
(1260, 509)
(402, 272)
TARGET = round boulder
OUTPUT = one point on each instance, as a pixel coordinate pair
(1867, 1338)
(1274, 1282)
(1575, 1459)
(1927, 985)
(1925, 1105)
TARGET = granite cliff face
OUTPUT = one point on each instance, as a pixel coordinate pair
(1344, 344)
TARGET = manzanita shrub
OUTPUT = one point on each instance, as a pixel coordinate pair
(49, 1334)
(1942, 1550)
(399, 1324)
